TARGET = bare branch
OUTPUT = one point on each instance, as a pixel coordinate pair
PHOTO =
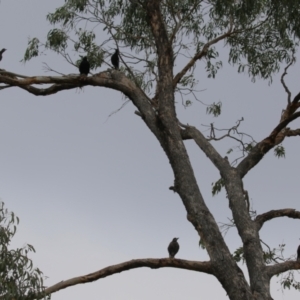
(293, 132)
(206, 147)
(110, 79)
(244, 146)
(53, 89)
(26, 80)
(133, 264)
(258, 152)
(199, 55)
(47, 68)
(283, 82)
(287, 212)
(11, 75)
(234, 129)
(3, 87)
(297, 98)
(283, 124)
(282, 267)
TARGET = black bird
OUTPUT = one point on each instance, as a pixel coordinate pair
(115, 59)
(1, 52)
(298, 253)
(173, 248)
(84, 67)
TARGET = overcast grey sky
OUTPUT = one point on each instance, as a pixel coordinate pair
(92, 191)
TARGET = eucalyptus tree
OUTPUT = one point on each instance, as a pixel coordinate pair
(159, 45)
(18, 278)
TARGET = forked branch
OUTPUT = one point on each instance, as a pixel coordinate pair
(191, 132)
(257, 153)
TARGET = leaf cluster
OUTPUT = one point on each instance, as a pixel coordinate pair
(262, 35)
(18, 278)
(269, 255)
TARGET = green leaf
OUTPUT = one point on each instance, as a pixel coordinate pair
(32, 49)
(279, 151)
(217, 186)
(214, 109)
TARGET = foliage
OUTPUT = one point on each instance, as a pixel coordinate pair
(217, 186)
(201, 244)
(18, 278)
(279, 151)
(214, 109)
(262, 34)
(32, 49)
(269, 255)
(289, 281)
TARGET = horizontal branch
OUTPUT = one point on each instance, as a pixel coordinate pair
(272, 214)
(293, 132)
(53, 89)
(282, 267)
(110, 79)
(133, 264)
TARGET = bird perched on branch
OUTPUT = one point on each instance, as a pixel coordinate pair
(173, 248)
(84, 67)
(1, 52)
(115, 59)
(298, 253)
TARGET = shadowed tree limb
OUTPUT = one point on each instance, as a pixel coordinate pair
(283, 82)
(272, 214)
(258, 152)
(283, 124)
(53, 89)
(3, 87)
(133, 264)
(200, 54)
(282, 267)
(193, 133)
(297, 98)
(293, 132)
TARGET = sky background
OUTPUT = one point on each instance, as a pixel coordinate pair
(93, 190)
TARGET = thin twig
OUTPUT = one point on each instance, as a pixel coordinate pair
(283, 82)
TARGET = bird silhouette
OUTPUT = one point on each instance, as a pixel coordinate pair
(173, 248)
(84, 67)
(1, 52)
(115, 59)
